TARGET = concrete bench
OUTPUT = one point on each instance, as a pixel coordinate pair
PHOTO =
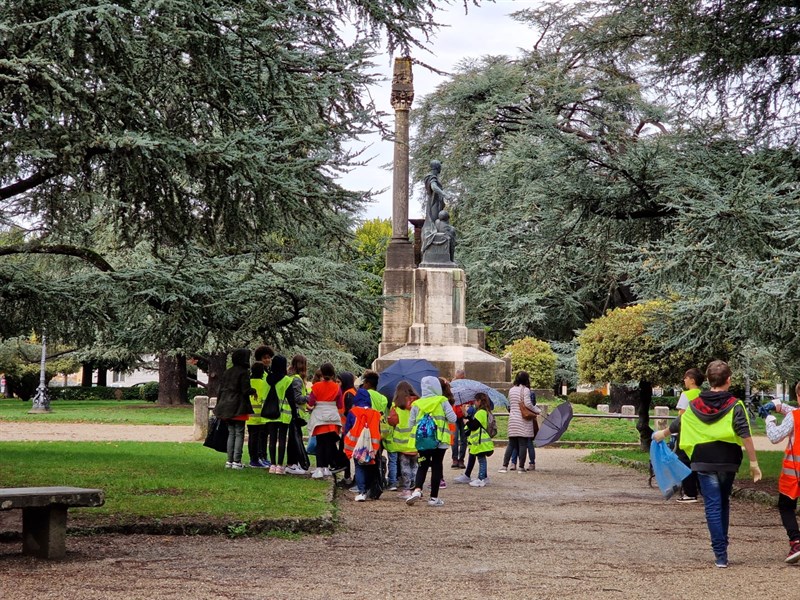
(44, 515)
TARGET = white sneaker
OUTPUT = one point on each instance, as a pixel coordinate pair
(477, 483)
(393, 487)
(295, 470)
(361, 498)
(228, 465)
(237, 466)
(502, 470)
(326, 472)
(318, 473)
(416, 495)
(435, 502)
(462, 479)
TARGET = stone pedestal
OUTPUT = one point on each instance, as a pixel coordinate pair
(398, 291)
(435, 328)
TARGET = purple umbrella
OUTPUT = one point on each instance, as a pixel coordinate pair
(554, 425)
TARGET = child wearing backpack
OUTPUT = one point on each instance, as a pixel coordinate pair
(362, 441)
(482, 427)
(429, 420)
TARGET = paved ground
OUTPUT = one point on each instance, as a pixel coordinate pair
(568, 530)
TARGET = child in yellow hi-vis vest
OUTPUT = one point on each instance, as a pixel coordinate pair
(479, 440)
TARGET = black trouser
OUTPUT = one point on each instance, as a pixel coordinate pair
(788, 509)
(521, 445)
(276, 434)
(257, 442)
(690, 484)
(433, 459)
(327, 449)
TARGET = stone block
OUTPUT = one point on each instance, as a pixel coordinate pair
(628, 410)
(662, 411)
(602, 408)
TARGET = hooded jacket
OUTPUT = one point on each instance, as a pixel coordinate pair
(362, 400)
(234, 388)
(709, 408)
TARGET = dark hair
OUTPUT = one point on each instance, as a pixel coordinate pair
(447, 392)
(263, 351)
(695, 375)
(257, 371)
(299, 365)
(317, 376)
(402, 392)
(327, 370)
(372, 378)
(523, 378)
(717, 373)
(482, 401)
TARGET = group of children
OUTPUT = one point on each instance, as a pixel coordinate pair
(347, 423)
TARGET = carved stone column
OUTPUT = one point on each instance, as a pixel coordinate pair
(398, 276)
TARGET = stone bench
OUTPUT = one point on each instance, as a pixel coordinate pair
(44, 515)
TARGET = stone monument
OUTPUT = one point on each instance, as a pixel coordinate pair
(424, 310)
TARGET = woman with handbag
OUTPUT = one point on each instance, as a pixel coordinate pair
(521, 413)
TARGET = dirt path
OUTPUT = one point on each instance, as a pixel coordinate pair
(90, 432)
(568, 530)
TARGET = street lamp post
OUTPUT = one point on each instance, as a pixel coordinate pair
(41, 401)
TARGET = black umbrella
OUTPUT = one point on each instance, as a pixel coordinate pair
(554, 425)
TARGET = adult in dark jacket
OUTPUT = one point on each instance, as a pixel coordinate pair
(233, 404)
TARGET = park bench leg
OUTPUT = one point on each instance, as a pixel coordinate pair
(44, 531)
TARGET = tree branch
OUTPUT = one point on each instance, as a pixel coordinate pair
(90, 256)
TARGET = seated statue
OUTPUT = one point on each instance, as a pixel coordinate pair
(444, 237)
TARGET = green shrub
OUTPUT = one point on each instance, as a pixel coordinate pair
(149, 391)
(84, 393)
(671, 401)
(590, 399)
(536, 357)
(196, 391)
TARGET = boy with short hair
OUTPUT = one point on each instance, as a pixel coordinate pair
(692, 380)
(713, 429)
(789, 482)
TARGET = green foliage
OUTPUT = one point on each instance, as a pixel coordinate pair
(591, 399)
(79, 393)
(149, 391)
(618, 348)
(536, 357)
(20, 360)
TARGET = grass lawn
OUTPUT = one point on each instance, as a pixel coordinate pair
(769, 461)
(125, 412)
(162, 481)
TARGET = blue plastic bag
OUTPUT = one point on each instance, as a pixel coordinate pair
(312, 445)
(668, 469)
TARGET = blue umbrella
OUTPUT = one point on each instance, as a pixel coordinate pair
(464, 391)
(411, 370)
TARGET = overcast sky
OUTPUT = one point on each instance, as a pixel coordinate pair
(486, 29)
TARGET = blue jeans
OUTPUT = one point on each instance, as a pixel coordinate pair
(235, 440)
(392, 475)
(361, 478)
(481, 458)
(716, 488)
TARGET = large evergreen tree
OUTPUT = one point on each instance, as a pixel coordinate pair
(178, 161)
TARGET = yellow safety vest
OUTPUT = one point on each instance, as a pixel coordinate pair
(286, 410)
(401, 440)
(379, 401)
(479, 440)
(695, 432)
(260, 386)
(432, 405)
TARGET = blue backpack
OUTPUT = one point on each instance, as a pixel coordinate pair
(426, 437)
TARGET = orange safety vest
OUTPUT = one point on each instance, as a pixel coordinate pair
(365, 417)
(789, 481)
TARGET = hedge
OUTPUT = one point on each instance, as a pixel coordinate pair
(147, 392)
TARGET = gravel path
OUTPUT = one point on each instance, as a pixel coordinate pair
(568, 530)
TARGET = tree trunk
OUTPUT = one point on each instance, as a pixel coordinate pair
(86, 374)
(172, 383)
(102, 376)
(643, 424)
(216, 367)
